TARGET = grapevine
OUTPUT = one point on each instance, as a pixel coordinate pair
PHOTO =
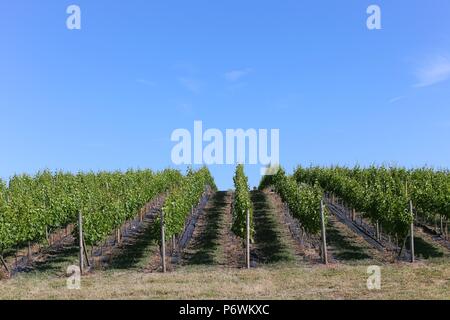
(242, 203)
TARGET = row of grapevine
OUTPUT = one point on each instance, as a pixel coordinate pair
(119, 197)
(32, 206)
(304, 200)
(383, 194)
(430, 192)
(177, 206)
(4, 233)
(242, 203)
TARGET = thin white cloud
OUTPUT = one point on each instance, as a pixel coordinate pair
(191, 84)
(395, 99)
(235, 75)
(435, 71)
(146, 82)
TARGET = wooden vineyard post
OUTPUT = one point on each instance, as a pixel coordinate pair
(248, 240)
(446, 229)
(412, 231)
(163, 243)
(86, 253)
(119, 236)
(4, 264)
(435, 223)
(174, 241)
(80, 229)
(324, 239)
(378, 230)
(30, 254)
(46, 235)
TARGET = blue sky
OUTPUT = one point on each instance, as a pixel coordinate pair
(108, 96)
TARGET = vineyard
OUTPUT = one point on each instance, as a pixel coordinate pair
(180, 202)
(32, 207)
(165, 220)
(392, 199)
(303, 200)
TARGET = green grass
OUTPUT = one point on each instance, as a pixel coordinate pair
(135, 253)
(343, 247)
(206, 251)
(270, 245)
(56, 262)
(424, 249)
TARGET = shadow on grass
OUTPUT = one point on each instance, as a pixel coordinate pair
(56, 262)
(205, 249)
(271, 249)
(134, 254)
(424, 249)
(344, 249)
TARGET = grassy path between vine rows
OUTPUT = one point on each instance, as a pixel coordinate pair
(212, 242)
(351, 246)
(203, 246)
(134, 253)
(346, 246)
(425, 247)
(272, 242)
